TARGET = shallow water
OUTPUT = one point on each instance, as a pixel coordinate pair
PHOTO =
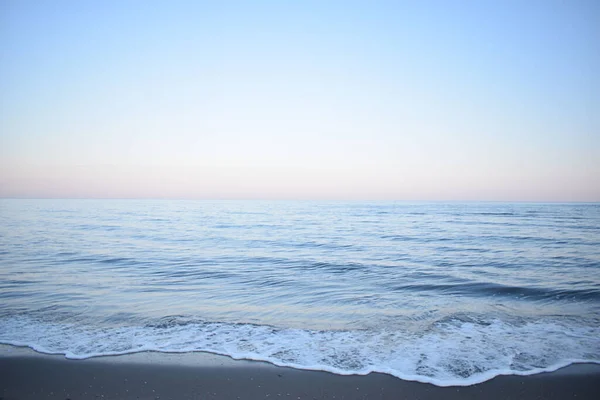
(447, 293)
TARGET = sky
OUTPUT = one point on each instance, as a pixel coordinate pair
(377, 100)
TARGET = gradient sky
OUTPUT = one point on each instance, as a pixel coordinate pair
(416, 100)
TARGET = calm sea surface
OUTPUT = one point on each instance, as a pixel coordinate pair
(443, 293)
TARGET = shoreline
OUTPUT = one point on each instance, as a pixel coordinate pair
(26, 374)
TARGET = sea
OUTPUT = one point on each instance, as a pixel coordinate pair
(445, 293)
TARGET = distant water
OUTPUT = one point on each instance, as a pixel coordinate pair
(451, 294)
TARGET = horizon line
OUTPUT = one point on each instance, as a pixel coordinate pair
(305, 199)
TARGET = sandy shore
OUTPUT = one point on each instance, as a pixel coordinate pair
(28, 375)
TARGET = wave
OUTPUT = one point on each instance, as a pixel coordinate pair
(458, 350)
(490, 289)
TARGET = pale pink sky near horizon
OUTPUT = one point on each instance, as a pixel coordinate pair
(427, 100)
(280, 183)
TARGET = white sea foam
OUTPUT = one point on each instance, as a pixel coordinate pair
(453, 351)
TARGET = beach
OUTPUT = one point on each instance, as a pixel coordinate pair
(445, 294)
(25, 374)
(299, 200)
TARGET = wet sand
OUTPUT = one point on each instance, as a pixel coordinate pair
(28, 375)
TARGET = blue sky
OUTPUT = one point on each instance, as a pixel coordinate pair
(417, 100)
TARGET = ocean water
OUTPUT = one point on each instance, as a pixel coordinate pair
(451, 294)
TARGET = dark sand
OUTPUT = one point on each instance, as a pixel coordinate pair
(160, 376)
